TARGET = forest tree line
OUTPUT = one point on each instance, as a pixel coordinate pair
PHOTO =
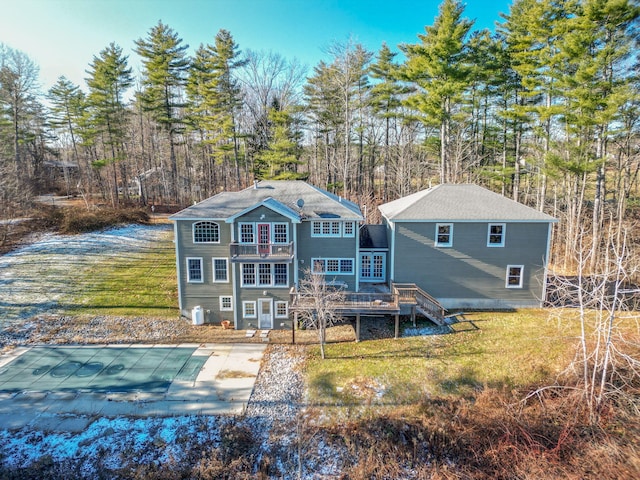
(544, 110)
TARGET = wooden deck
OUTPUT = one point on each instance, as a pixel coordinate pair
(378, 303)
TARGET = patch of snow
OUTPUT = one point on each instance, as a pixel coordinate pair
(41, 275)
(423, 331)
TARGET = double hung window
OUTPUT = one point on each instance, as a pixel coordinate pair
(444, 234)
(514, 276)
(194, 270)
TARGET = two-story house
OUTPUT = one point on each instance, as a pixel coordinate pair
(468, 247)
(239, 253)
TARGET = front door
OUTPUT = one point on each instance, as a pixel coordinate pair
(373, 267)
(265, 313)
(264, 237)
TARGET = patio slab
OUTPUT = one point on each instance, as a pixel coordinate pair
(66, 388)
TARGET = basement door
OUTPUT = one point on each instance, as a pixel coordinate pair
(373, 267)
(265, 313)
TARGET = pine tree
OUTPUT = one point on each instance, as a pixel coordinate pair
(386, 99)
(437, 66)
(280, 159)
(109, 78)
(165, 65)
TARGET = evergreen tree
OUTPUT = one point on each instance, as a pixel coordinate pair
(437, 66)
(386, 99)
(109, 78)
(165, 65)
(214, 97)
(279, 161)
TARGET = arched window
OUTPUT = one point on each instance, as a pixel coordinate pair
(206, 232)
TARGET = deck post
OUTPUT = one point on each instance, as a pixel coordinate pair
(413, 315)
(294, 325)
(397, 326)
(357, 327)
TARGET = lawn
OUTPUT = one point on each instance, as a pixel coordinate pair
(133, 284)
(508, 350)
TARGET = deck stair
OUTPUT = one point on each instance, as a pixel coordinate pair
(425, 304)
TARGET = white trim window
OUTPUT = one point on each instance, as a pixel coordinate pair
(333, 266)
(280, 233)
(247, 232)
(349, 229)
(265, 275)
(220, 270)
(514, 276)
(282, 309)
(249, 309)
(206, 232)
(495, 234)
(444, 235)
(194, 270)
(325, 228)
(226, 303)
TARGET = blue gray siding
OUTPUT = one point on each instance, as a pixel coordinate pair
(470, 274)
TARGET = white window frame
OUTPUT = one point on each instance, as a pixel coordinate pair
(325, 261)
(502, 234)
(256, 276)
(252, 304)
(352, 229)
(253, 232)
(189, 279)
(222, 302)
(213, 269)
(273, 232)
(286, 309)
(329, 224)
(193, 232)
(443, 244)
(520, 277)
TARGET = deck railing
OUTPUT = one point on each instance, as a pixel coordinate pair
(350, 302)
(257, 251)
(409, 293)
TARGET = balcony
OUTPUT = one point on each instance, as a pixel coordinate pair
(261, 252)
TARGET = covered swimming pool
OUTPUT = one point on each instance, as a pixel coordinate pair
(102, 369)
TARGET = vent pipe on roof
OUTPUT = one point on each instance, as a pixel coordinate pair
(255, 184)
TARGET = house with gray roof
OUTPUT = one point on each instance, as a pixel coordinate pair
(468, 247)
(240, 255)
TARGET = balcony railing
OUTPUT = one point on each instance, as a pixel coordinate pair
(265, 252)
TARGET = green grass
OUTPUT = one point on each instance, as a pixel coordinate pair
(508, 350)
(134, 284)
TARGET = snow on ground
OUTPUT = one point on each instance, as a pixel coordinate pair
(37, 277)
(271, 412)
(42, 275)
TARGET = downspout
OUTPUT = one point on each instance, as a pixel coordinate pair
(234, 266)
(392, 263)
(178, 263)
(357, 259)
(546, 265)
(295, 254)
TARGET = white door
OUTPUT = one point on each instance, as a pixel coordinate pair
(373, 267)
(265, 313)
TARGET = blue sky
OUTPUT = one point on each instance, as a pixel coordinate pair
(62, 36)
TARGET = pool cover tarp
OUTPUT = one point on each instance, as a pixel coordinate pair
(100, 369)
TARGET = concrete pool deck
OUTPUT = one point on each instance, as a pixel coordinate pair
(206, 379)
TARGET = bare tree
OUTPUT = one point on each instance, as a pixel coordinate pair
(603, 301)
(319, 300)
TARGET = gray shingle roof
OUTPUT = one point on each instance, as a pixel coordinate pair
(466, 202)
(316, 203)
